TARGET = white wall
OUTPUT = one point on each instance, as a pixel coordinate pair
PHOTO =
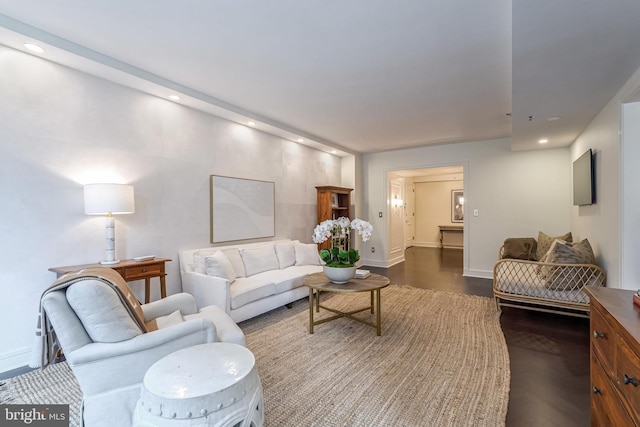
(516, 194)
(601, 222)
(62, 129)
(630, 221)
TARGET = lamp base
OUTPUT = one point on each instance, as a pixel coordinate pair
(110, 262)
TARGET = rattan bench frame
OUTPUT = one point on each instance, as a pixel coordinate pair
(521, 289)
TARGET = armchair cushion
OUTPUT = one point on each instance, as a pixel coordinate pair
(101, 312)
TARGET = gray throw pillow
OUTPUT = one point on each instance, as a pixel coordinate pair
(567, 278)
(545, 241)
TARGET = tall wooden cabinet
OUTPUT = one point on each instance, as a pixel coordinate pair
(333, 202)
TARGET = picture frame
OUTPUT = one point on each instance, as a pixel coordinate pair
(457, 205)
(334, 200)
(241, 209)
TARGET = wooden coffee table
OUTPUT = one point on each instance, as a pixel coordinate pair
(320, 283)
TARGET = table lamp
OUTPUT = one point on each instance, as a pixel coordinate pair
(109, 199)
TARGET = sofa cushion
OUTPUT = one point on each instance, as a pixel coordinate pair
(520, 248)
(307, 254)
(289, 278)
(286, 254)
(218, 265)
(236, 261)
(101, 311)
(249, 289)
(545, 241)
(259, 259)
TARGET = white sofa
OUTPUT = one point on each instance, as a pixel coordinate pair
(249, 279)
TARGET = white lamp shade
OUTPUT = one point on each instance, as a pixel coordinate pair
(105, 199)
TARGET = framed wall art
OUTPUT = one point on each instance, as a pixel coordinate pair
(457, 205)
(241, 209)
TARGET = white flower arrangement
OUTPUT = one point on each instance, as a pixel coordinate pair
(339, 231)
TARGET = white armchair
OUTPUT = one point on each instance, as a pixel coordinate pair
(109, 352)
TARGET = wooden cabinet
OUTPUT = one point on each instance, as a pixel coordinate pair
(333, 202)
(615, 357)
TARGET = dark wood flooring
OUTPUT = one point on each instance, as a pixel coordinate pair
(549, 354)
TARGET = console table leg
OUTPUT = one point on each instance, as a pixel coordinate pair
(163, 286)
(147, 289)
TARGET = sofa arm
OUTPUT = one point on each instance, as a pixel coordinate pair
(104, 366)
(207, 290)
(163, 307)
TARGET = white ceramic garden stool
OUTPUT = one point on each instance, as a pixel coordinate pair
(205, 385)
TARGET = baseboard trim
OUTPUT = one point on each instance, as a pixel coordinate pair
(481, 274)
(15, 359)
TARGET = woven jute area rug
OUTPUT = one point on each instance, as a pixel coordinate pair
(54, 385)
(442, 360)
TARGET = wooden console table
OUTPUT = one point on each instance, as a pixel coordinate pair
(131, 271)
(451, 236)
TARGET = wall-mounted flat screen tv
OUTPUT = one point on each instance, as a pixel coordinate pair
(583, 180)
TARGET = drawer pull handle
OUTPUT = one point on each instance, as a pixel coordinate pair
(632, 380)
(144, 270)
(597, 390)
(597, 334)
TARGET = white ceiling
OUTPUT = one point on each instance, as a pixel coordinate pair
(359, 75)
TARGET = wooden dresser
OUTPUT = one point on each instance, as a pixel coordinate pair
(615, 357)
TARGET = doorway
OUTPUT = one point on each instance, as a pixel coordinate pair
(420, 202)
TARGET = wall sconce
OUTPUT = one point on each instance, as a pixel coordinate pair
(396, 202)
(109, 199)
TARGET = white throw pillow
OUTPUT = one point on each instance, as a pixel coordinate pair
(101, 311)
(218, 265)
(236, 261)
(286, 254)
(169, 320)
(307, 254)
(259, 259)
(198, 260)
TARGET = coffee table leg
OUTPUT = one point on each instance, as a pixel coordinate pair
(310, 310)
(378, 319)
(317, 300)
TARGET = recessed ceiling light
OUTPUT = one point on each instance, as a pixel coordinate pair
(34, 48)
(553, 118)
(334, 152)
(251, 123)
(543, 141)
(174, 97)
(300, 140)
